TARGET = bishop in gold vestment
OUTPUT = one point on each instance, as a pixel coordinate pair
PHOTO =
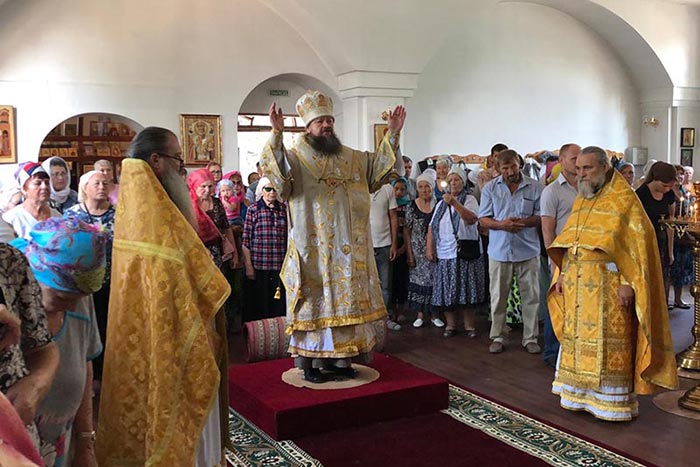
(330, 274)
(609, 352)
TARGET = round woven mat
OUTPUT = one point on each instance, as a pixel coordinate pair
(668, 402)
(365, 375)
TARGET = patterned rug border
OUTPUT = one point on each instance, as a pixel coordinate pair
(562, 449)
(254, 448)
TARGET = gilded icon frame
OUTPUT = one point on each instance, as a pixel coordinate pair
(201, 139)
(8, 135)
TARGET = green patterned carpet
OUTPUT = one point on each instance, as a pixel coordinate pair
(253, 448)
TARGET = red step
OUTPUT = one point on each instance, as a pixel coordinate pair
(257, 392)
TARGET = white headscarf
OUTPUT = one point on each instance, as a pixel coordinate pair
(82, 183)
(59, 196)
(429, 177)
(262, 183)
(457, 169)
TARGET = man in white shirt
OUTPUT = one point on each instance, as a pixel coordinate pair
(556, 202)
(384, 224)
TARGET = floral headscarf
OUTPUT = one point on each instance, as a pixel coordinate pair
(66, 254)
(205, 226)
(26, 170)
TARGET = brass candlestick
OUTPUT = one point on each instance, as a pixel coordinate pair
(690, 358)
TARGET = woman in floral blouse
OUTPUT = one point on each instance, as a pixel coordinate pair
(95, 208)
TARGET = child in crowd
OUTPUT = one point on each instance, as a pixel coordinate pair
(231, 206)
(399, 286)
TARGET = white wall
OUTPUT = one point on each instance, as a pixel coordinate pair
(149, 61)
(487, 70)
(526, 75)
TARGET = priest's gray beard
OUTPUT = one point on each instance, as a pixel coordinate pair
(589, 188)
(328, 144)
(179, 193)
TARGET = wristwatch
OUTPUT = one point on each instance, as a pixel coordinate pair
(86, 435)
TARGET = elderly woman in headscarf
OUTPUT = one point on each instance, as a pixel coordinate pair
(95, 208)
(67, 258)
(626, 169)
(36, 189)
(415, 232)
(442, 169)
(62, 195)
(264, 247)
(458, 282)
(212, 225)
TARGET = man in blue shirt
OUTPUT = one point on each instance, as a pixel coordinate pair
(510, 210)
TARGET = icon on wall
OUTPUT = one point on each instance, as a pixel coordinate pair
(201, 138)
(687, 157)
(687, 137)
(8, 143)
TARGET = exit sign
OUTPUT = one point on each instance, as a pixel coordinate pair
(279, 92)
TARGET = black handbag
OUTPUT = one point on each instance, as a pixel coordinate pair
(467, 250)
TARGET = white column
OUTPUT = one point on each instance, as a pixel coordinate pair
(686, 114)
(365, 95)
(674, 108)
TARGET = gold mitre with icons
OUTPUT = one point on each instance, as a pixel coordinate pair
(314, 104)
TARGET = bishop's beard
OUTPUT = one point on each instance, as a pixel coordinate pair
(179, 194)
(327, 144)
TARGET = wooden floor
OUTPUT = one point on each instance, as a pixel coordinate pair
(524, 382)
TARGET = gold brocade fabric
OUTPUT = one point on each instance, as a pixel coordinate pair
(601, 343)
(160, 372)
(329, 270)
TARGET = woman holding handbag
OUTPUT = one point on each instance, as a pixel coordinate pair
(453, 241)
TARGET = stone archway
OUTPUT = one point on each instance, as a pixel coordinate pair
(83, 139)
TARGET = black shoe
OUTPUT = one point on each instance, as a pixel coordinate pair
(347, 372)
(314, 375)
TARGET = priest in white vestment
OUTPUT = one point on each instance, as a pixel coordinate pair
(333, 290)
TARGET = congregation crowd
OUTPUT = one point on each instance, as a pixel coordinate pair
(449, 239)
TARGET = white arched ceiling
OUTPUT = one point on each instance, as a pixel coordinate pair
(646, 69)
(377, 36)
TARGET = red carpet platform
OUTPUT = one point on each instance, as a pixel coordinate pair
(257, 392)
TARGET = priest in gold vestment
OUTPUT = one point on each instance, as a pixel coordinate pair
(330, 274)
(608, 305)
(161, 401)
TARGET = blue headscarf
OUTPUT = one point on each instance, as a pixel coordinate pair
(405, 199)
(66, 254)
